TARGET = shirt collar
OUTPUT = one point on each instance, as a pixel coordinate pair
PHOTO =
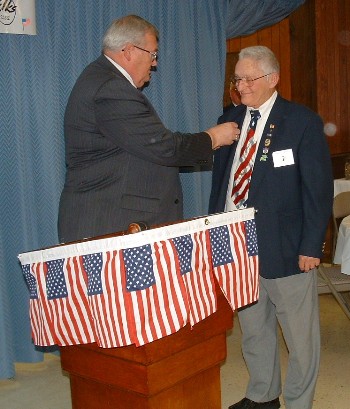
(266, 106)
(121, 69)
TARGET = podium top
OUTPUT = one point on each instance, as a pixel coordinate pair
(136, 239)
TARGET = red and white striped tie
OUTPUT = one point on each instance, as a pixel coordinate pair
(243, 173)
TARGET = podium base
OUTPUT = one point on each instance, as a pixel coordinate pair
(181, 371)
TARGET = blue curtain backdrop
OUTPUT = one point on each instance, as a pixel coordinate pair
(36, 76)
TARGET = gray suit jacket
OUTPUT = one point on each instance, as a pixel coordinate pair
(122, 163)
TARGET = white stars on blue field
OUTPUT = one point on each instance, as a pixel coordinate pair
(221, 248)
(31, 282)
(251, 238)
(93, 266)
(184, 248)
(55, 281)
(139, 268)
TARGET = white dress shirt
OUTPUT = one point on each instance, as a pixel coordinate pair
(121, 69)
(264, 110)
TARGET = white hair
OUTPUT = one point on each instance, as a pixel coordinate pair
(128, 29)
(263, 55)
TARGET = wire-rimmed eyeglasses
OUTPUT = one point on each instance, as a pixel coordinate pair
(153, 54)
(248, 81)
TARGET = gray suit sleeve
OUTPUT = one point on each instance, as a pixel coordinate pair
(126, 117)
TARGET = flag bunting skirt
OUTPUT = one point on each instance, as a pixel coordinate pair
(137, 288)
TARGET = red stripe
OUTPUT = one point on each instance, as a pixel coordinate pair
(118, 306)
(165, 316)
(77, 303)
(241, 195)
(180, 305)
(199, 282)
(42, 332)
(81, 288)
(124, 308)
(238, 279)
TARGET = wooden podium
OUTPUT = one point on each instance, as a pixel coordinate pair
(181, 371)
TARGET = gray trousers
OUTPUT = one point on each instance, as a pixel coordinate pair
(293, 303)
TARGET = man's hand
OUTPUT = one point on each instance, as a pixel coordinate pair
(308, 263)
(223, 134)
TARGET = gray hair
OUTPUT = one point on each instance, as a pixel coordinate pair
(128, 29)
(264, 56)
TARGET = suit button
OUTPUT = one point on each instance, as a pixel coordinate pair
(176, 201)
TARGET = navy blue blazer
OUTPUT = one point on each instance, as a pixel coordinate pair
(293, 202)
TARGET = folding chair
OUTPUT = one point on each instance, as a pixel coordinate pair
(341, 208)
(330, 278)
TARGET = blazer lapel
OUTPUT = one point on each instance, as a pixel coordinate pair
(229, 160)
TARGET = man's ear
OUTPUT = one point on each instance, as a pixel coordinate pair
(127, 51)
(273, 79)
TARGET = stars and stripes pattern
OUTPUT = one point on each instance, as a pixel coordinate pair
(197, 273)
(136, 295)
(139, 268)
(39, 311)
(235, 261)
(244, 171)
(156, 296)
(106, 296)
(66, 290)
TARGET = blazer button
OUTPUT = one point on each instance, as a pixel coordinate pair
(176, 201)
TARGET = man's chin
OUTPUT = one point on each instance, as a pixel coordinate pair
(145, 84)
(244, 100)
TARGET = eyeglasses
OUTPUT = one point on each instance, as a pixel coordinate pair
(248, 81)
(154, 54)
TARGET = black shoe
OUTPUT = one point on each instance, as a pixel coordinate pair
(246, 403)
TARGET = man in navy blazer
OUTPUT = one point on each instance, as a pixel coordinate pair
(122, 162)
(291, 188)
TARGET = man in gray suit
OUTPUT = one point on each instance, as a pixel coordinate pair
(122, 162)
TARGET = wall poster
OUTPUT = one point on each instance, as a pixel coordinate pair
(17, 17)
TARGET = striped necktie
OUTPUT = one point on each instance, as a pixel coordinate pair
(244, 171)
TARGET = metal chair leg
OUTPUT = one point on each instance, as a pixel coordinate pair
(343, 304)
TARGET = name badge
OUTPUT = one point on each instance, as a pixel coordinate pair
(283, 158)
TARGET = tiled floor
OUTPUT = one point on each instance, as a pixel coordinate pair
(43, 386)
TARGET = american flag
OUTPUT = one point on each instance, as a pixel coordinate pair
(235, 261)
(106, 294)
(127, 290)
(66, 299)
(26, 21)
(39, 312)
(156, 294)
(197, 273)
